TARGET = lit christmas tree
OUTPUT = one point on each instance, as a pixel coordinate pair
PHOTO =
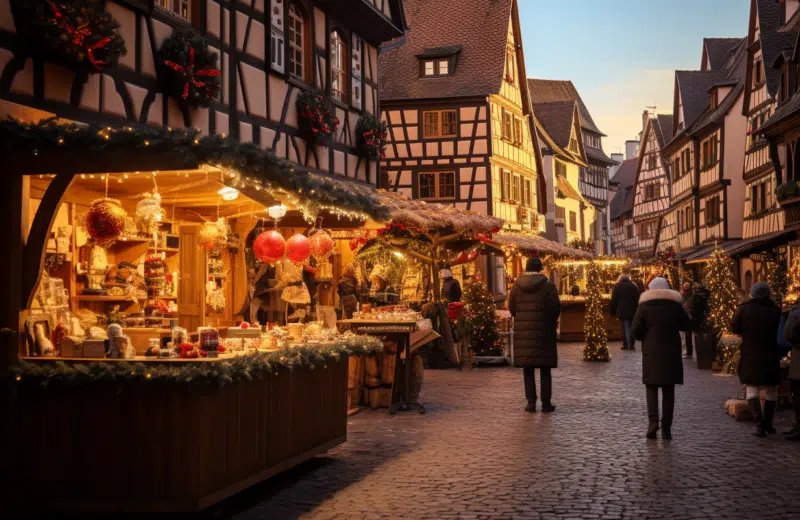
(721, 283)
(479, 310)
(594, 329)
(793, 282)
(776, 278)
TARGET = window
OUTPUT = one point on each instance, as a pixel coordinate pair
(505, 184)
(688, 217)
(573, 221)
(680, 221)
(528, 193)
(508, 126)
(297, 43)
(444, 68)
(709, 152)
(276, 37)
(651, 191)
(758, 198)
(713, 211)
(516, 194)
(510, 67)
(561, 169)
(573, 145)
(339, 67)
(687, 160)
(430, 68)
(757, 74)
(176, 7)
(629, 231)
(437, 185)
(435, 68)
(714, 99)
(439, 123)
(517, 131)
(647, 230)
(677, 167)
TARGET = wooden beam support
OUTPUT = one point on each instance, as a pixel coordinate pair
(11, 267)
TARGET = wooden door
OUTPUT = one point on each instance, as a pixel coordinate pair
(191, 288)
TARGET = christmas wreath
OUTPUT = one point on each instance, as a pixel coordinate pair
(190, 69)
(78, 34)
(316, 116)
(372, 134)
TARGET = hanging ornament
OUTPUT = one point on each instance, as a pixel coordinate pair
(149, 214)
(269, 246)
(321, 244)
(213, 235)
(105, 221)
(298, 248)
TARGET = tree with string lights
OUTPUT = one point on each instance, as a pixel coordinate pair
(481, 317)
(721, 283)
(594, 330)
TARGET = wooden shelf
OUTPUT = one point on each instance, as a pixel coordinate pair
(167, 298)
(101, 298)
(130, 241)
(167, 250)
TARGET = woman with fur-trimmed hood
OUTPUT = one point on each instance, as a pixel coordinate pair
(658, 323)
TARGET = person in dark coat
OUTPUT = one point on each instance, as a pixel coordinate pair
(535, 306)
(348, 290)
(686, 292)
(624, 301)
(658, 323)
(791, 333)
(757, 321)
(451, 289)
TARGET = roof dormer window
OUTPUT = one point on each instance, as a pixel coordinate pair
(713, 99)
(438, 62)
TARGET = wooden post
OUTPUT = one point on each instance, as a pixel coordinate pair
(11, 268)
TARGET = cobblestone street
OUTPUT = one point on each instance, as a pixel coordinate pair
(477, 454)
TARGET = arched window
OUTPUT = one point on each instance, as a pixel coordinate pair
(298, 46)
(339, 67)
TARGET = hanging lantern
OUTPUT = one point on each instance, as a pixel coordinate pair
(298, 248)
(269, 246)
(213, 235)
(105, 221)
(149, 214)
(321, 245)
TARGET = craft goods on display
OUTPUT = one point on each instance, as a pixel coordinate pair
(209, 340)
(298, 248)
(105, 221)
(321, 244)
(215, 296)
(149, 214)
(290, 276)
(269, 246)
(213, 235)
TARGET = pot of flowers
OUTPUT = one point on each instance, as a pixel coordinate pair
(372, 134)
(316, 117)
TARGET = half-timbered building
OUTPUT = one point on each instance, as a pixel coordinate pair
(269, 51)
(593, 179)
(623, 230)
(456, 102)
(569, 216)
(652, 184)
(707, 152)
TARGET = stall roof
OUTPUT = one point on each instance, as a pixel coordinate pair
(531, 244)
(742, 247)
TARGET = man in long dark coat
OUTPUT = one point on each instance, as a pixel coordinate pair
(535, 306)
(624, 301)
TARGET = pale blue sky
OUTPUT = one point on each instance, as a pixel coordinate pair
(622, 54)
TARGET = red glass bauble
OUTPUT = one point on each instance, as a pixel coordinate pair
(321, 244)
(298, 248)
(105, 220)
(269, 246)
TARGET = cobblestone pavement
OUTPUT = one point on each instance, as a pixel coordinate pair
(477, 455)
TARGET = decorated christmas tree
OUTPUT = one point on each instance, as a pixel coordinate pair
(594, 329)
(793, 282)
(776, 278)
(481, 319)
(721, 283)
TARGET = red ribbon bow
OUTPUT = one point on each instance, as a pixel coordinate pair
(191, 74)
(79, 36)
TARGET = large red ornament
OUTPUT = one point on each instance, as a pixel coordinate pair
(105, 220)
(321, 244)
(269, 246)
(298, 248)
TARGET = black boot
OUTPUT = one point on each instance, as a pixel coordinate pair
(769, 414)
(758, 418)
(652, 411)
(652, 430)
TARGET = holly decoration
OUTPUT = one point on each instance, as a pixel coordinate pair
(372, 135)
(79, 34)
(105, 221)
(191, 69)
(316, 116)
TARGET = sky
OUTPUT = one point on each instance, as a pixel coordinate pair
(622, 54)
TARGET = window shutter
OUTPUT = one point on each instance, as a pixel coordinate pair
(430, 124)
(276, 47)
(355, 95)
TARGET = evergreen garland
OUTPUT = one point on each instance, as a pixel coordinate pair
(27, 375)
(594, 330)
(721, 283)
(190, 68)
(78, 34)
(481, 317)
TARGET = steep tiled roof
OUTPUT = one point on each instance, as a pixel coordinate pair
(693, 86)
(598, 155)
(773, 42)
(625, 176)
(663, 127)
(717, 50)
(556, 119)
(480, 27)
(549, 91)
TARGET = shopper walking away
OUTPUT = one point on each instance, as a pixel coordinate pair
(624, 301)
(535, 306)
(757, 321)
(687, 293)
(451, 289)
(791, 332)
(658, 324)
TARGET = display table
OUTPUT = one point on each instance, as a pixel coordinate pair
(573, 312)
(154, 444)
(401, 332)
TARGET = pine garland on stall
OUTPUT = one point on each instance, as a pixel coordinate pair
(594, 330)
(481, 317)
(722, 285)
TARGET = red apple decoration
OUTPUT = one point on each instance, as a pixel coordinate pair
(298, 248)
(270, 246)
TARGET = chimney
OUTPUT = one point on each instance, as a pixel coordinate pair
(631, 149)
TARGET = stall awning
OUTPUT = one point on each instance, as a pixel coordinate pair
(761, 243)
(567, 189)
(703, 254)
(535, 244)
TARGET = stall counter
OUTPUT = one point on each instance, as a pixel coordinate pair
(573, 311)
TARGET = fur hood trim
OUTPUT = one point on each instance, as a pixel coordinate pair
(661, 294)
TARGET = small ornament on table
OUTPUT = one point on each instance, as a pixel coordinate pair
(105, 221)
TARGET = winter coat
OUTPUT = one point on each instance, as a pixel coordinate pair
(658, 324)
(451, 290)
(624, 300)
(535, 306)
(757, 322)
(791, 333)
(698, 308)
(348, 294)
